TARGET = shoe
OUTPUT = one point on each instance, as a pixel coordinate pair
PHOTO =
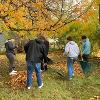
(40, 86)
(70, 78)
(12, 73)
(29, 88)
(41, 71)
(73, 74)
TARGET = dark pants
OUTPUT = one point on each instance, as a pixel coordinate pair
(11, 58)
(85, 57)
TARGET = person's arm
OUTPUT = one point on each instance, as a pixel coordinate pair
(86, 48)
(11, 46)
(78, 50)
(66, 50)
(44, 53)
(6, 45)
(47, 46)
(26, 47)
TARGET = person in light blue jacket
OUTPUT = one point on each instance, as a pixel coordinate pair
(86, 48)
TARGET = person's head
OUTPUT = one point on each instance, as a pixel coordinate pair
(42, 38)
(69, 38)
(12, 40)
(83, 38)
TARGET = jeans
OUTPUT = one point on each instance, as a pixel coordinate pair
(70, 62)
(30, 68)
(11, 58)
(85, 57)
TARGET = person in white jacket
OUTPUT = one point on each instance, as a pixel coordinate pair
(72, 52)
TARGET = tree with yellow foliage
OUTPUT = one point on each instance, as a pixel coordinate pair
(41, 15)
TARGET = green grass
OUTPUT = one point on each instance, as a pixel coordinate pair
(55, 87)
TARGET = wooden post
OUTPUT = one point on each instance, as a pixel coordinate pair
(99, 13)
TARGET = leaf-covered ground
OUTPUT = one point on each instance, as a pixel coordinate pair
(56, 84)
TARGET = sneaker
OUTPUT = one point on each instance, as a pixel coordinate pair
(73, 74)
(12, 73)
(29, 88)
(41, 71)
(70, 78)
(40, 86)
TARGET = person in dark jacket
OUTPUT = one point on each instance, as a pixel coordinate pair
(46, 43)
(35, 52)
(10, 55)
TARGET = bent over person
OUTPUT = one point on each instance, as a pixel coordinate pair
(11, 55)
(35, 52)
(72, 52)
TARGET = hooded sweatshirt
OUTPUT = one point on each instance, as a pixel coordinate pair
(72, 49)
(35, 51)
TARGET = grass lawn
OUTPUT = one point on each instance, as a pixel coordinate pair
(56, 87)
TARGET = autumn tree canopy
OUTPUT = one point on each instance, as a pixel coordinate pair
(37, 15)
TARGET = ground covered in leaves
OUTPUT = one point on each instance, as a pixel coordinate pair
(56, 84)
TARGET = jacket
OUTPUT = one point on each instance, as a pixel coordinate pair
(35, 51)
(86, 47)
(72, 49)
(9, 47)
(46, 43)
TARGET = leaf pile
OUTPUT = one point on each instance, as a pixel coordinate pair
(61, 64)
(95, 98)
(77, 69)
(19, 80)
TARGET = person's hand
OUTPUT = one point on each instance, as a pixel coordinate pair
(80, 42)
(44, 64)
(64, 54)
(16, 46)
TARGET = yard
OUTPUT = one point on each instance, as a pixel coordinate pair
(56, 85)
